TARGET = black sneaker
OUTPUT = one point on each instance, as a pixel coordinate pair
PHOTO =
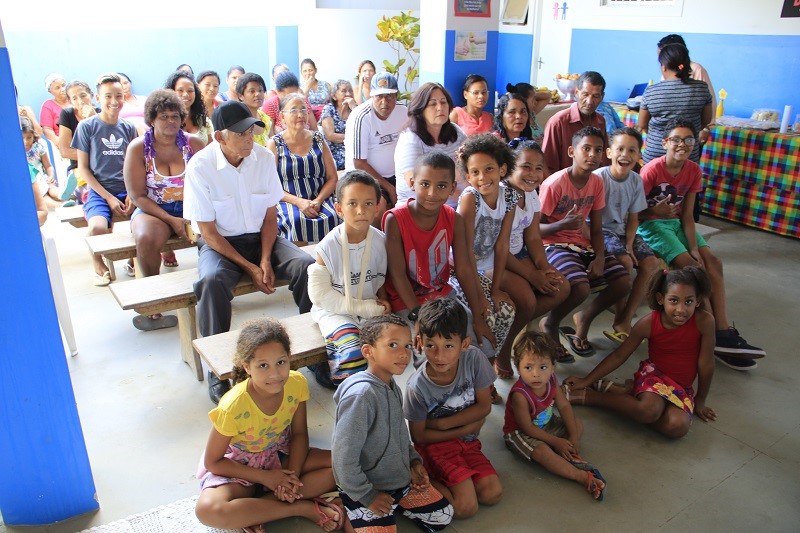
(322, 373)
(729, 342)
(736, 363)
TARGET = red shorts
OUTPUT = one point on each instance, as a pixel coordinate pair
(454, 461)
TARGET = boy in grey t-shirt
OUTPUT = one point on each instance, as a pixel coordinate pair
(446, 402)
(101, 142)
(625, 199)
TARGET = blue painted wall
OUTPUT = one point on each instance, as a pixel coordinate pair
(455, 72)
(514, 59)
(42, 451)
(758, 71)
(147, 56)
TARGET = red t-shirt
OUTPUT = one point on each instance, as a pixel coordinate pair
(427, 255)
(558, 194)
(658, 183)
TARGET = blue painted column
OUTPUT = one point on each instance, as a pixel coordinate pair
(46, 472)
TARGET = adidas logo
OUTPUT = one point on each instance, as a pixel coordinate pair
(113, 143)
(377, 134)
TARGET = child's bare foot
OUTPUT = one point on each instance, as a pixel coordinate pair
(594, 486)
(328, 515)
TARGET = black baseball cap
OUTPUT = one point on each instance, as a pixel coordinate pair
(234, 116)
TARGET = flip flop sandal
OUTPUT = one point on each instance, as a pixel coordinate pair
(569, 396)
(102, 280)
(592, 487)
(169, 260)
(129, 270)
(323, 518)
(572, 338)
(154, 322)
(602, 385)
(616, 336)
(503, 373)
(563, 356)
(496, 398)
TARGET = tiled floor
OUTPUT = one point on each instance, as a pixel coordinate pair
(144, 416)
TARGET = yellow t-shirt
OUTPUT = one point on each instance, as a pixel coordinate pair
(237, 415)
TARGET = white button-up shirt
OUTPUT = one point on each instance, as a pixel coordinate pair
(235, 198)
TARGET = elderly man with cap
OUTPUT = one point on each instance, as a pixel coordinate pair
(563, 125)
(372, 131)
(231, 192)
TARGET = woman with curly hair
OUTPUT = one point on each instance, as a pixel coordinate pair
(154, 170)
(196, 121)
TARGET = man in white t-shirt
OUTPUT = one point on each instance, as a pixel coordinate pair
(372, 131)
(231, 191)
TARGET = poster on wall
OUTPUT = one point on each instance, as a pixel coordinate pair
(473, 8)
(471, 45)
(791, 8)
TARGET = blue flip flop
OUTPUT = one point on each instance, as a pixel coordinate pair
(571, 337)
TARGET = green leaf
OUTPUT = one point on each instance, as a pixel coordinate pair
(401, 62)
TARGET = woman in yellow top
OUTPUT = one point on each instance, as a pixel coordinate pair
(250, 88)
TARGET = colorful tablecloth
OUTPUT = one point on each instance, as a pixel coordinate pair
(753, 177)
(628, 117)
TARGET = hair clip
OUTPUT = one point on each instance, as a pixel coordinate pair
(666, 271)
(680, 67)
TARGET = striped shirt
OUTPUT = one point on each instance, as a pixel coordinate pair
(670, 99)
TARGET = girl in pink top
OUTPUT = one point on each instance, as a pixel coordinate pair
(681, 340)
(472, 118)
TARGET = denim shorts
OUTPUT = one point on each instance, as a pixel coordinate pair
(96, 206)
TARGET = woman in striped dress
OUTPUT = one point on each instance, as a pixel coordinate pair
(676, 96)
(308, 173)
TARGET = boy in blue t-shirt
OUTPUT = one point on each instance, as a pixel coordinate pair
(624, 201)
(446, 402)
(101, 142)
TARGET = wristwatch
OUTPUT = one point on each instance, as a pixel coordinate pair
(413, 314)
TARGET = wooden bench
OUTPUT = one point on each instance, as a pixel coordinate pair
(74, 216)
(308, 346)
(121, 245)
(174, 291)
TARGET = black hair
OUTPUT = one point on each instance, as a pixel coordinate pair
(78, 83)
(373, 327)
(416, 120)
(248, 77)
(588, 131)
(235, 67)
(26, 126)
(256, 333)
(491, 145)
(592, 77)
(675, 57)
(660, 282)
(502, 104)
(276, 66)
(442, 316)
(357, 176)
(534, 343)
(179, 67)
(109, 77)
(286, 79)
(680, 122)
(672, 38)
(523, 89)
(162, 100)
(126, 77)
(524, 145)
(206, 74)
(309, 61)
(626, 130)
(197, 112)
(436, 159)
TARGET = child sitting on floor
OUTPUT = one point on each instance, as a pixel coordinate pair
(376, 468)
(624, 200)
(345, 284)
(680, 348)
(447, 401)
(569, 197)
(671, 183)
(257, 465)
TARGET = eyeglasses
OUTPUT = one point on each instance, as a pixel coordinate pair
(676, 141)
(296, 110)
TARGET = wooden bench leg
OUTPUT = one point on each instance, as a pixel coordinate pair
(110, 265)
(187, 328)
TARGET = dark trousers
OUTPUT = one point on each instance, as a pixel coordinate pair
(219, 275)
